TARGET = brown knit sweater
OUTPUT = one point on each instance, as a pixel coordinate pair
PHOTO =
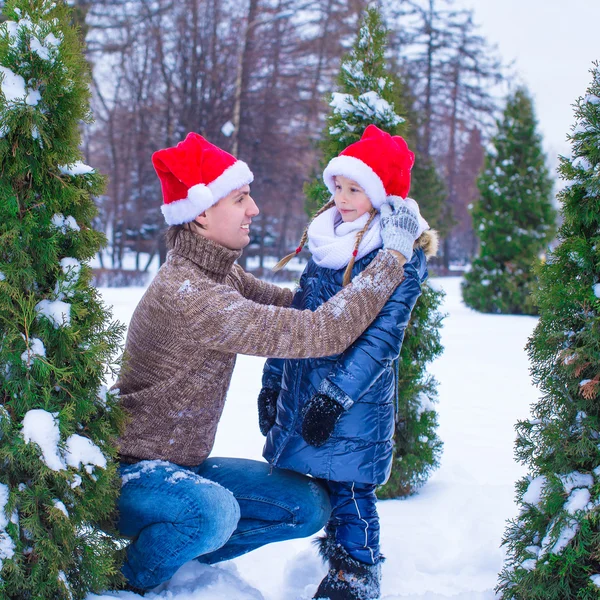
(198, 313)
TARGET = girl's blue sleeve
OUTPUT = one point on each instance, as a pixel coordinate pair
(364, 362)
(272, 373)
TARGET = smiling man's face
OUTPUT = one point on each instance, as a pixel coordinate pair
(228, 221)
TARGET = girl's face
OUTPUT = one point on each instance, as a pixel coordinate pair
(350, 199)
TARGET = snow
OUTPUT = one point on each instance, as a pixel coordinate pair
(77, 168)
(595, 580)
(41, 427)
(65, 223)
(575, 480)
(227, 129)
(7, 546)
(185, 287)
(567, 533)
(444, 542)
(2, 276)
(529, 564)
(62, 577)
(578, 500)
(592, 99)
(104, 395)
(582, 163)
(15, 90)
(596, 288)
(71, 268)
(60, 506)
(338, 306)
(536, 486)
(41, 51)
(581, 127)
(36, 348)
(56, 311)
(82, 451)
(425, 404)
(369, 104)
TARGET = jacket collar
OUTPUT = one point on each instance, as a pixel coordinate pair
(208, 255)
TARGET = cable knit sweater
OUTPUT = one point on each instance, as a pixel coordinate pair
(201, 310)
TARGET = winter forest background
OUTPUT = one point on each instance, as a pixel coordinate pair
(285, 84)
(256, 78)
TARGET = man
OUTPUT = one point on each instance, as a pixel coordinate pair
(198, 313)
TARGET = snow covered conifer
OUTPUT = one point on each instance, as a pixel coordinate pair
(514, 218)
(553, 544)
(58, 478)
(368, 94)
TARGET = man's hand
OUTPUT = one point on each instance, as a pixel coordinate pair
(399, 227)
(267, 409)
(320, 413)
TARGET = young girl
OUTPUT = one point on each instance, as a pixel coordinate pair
(333, 417)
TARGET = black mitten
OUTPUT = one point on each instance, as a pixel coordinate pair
(267, 409)
(320, 413)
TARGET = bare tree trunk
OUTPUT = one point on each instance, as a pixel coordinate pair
(451, 164)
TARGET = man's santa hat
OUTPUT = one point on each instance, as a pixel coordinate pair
(194, 176)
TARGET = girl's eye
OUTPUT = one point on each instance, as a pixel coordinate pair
(240, 198)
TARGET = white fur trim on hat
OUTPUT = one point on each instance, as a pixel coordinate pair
(232, 178)
(355, 169)
(199, 198)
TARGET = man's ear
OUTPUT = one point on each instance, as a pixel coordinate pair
(201, 219)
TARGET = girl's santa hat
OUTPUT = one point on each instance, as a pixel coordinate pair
(194, 176)
(380, 163)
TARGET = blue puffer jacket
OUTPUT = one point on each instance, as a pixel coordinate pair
(363, 377)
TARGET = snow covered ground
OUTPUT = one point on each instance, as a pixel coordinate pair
(442, 543)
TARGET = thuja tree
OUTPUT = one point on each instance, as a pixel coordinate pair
(58, 478)
(553, 545)
(514, 217)
(368, 94)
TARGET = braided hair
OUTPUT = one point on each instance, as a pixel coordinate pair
(348, 272)
(286, 259)
(359, 237)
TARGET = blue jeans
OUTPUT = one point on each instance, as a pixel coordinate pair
(216, 511)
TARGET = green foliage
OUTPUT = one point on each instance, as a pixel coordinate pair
(370, 95)
(417, 445)
(57, 341)
(428, 188)
(553, 545)
(514, 217)
(426, 185)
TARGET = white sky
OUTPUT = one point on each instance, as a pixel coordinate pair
(553, 44)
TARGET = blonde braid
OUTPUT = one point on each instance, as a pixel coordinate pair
(359, 237)
(286, 259)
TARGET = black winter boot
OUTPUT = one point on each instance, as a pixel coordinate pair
(347, 578)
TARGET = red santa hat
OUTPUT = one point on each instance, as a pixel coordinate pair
(194, 176)
(379, 162)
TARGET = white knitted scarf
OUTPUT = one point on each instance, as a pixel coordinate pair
(331, 241)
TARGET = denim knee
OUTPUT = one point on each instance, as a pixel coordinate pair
(215, 513)
(153, 494)
(314, 514)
